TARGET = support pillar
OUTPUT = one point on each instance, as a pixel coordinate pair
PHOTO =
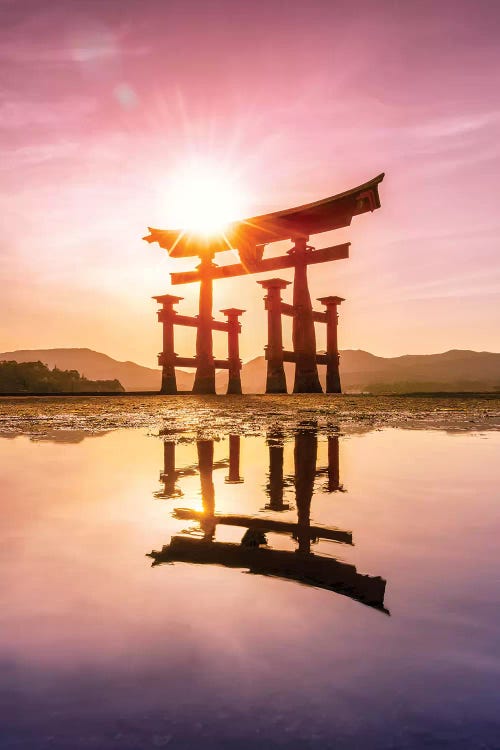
(303, 334)
(333, 464)
(205, 450)
(305, 455)
(276, 381)
(234, 461)
(234, 329)
(276, 484)
(204, 381)
(169, 475)
(332, 348)
(167, 357)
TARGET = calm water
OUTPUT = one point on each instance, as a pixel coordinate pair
(312, 591)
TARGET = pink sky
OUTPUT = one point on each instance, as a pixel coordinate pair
(101, 103)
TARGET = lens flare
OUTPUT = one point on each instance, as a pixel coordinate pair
(203, 198)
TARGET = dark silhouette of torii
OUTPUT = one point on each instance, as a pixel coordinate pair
(253, 553)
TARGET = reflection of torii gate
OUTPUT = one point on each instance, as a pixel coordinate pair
(303, 532)
(301, 565)
(277, 480)
(250, 238)
(170, 475)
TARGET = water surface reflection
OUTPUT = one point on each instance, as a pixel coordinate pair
(253, 552)
(259, 621)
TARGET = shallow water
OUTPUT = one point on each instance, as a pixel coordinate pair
(369, 618)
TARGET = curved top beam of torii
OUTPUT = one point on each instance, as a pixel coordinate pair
(249, 236)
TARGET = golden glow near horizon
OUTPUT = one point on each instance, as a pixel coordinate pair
(204, 197)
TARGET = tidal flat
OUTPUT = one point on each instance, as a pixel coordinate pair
(245, 572)
(245, 415)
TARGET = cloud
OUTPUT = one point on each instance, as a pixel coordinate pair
(456, 125)
(78, 50)
(484, 281)
(27, 112)
(38, 154)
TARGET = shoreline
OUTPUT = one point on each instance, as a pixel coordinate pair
(135, 394)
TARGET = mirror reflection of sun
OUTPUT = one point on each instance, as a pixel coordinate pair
(203, 198)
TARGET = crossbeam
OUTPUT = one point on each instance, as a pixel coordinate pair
(219, 364)
(336, 252)
(317, 570)
(286, 309)
(191, 471)
(193, 321)
(288, 356)
(181, 361)
(266, 524)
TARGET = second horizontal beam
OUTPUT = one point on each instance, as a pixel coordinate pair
(337, 252)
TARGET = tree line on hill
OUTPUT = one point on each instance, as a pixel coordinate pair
(35, 377)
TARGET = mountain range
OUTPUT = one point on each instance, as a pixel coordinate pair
(455, 370)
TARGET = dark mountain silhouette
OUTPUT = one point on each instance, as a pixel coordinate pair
(456, 370)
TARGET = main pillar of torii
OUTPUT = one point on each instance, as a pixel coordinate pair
(303, 334)
(204, 380)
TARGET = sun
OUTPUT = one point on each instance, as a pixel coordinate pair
(204, 198)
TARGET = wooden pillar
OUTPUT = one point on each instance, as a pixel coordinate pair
(275, 486)
(169, 475)
(303, 334)
(166, 359)
(234, 328)
(276, 381)
(204, 381)
(333, 464)
(332, 348)
(234, 461)
(205, 450)
(305, 455)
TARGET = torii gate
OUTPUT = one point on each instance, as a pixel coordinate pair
(250, 237)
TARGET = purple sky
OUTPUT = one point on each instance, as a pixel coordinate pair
(102, 102)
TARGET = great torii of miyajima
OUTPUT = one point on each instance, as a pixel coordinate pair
(250, 238)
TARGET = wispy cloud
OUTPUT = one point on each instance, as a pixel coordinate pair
(95, 47)
(455, 125)
(18, 158)
(18, 112)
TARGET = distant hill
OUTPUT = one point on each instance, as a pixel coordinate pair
(361, 371)
(456, 370)
(35, 377)
(93, 365)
